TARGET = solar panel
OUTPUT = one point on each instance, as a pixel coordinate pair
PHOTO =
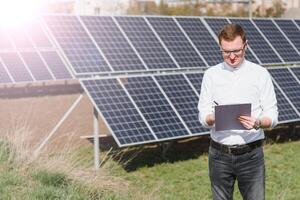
(146, 43)
(154, 106)
(36, 66)
(56, 65)
(296, 71)
(19, 38)
(38, 35)
(126, 123)
(184, 99)
(4, 77)
(258, 44)
(286, 111)
(196, 80)
(113, 44)
(291, 31)
(16, 67)
(278, 41)
(288, 84)
(216, 24)
(76, 44)
(176, 42)
(202, 39)
(297, 22)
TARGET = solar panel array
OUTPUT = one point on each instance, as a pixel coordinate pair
(147, 107)
(24, 55)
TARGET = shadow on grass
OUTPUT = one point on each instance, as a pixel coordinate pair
(132, 158)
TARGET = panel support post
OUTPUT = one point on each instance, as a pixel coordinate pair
(66, 115)
(96, 139)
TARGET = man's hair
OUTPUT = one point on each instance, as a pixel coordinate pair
(230, 31)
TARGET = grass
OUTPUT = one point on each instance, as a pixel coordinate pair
(132, 173)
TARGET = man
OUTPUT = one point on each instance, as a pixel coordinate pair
(237, 154)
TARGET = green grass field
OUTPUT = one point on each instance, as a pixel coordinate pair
(138, 174)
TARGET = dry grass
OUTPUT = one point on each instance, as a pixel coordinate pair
(65, 159)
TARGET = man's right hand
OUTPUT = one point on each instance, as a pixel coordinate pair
(210, 119)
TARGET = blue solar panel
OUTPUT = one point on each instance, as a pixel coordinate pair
(286, 111)
(258, 44)
(4, 77)
(196, 80)
(216, 24)
(176, 42)
(296, 72)
(36, 66)
(291, 31)
(76, 44)
(146, 43)
(184, 99)
(288, 84)
(113, 44)
(38, 36)
(16, 67)
(297, 22)
(127, 125)
(278, 41)
(155, 108)
(56, 65)
(202, 39)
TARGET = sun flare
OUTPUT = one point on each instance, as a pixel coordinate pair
(17, 12)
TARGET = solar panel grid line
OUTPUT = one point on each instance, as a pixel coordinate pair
(162, 43)
(39, 36)
(155, 107)
(4, 73)
(58, 47)
(286, 37)
(75, 44)
(201, 38)
(121, 130)
(176, 42)
(248, 46)
(286, 97)
(297, 23)
(266, 39)
(210, 30)
(36, 66)
(287, 84)
(146, 43)
(99, 113)
(291, 30)
(14, 64)
(94, 42)
(130, 43)
(183, 98)
(287, 111)
(190, 41)
(20, 39)
(26, 66)
(137, 108)
(46, 65)
(57, 65)
(293, 74)
(191, 84)
(195, 79)
(173, 107)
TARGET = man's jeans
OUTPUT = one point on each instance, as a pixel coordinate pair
(248, 169)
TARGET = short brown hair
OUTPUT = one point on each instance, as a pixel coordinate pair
(230, 31)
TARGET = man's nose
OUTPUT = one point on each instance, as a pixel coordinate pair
(231, 55)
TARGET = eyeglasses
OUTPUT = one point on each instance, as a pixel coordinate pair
(236, 52)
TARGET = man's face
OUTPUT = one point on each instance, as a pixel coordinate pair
(233, 52)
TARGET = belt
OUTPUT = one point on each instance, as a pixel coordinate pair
(236, 149)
